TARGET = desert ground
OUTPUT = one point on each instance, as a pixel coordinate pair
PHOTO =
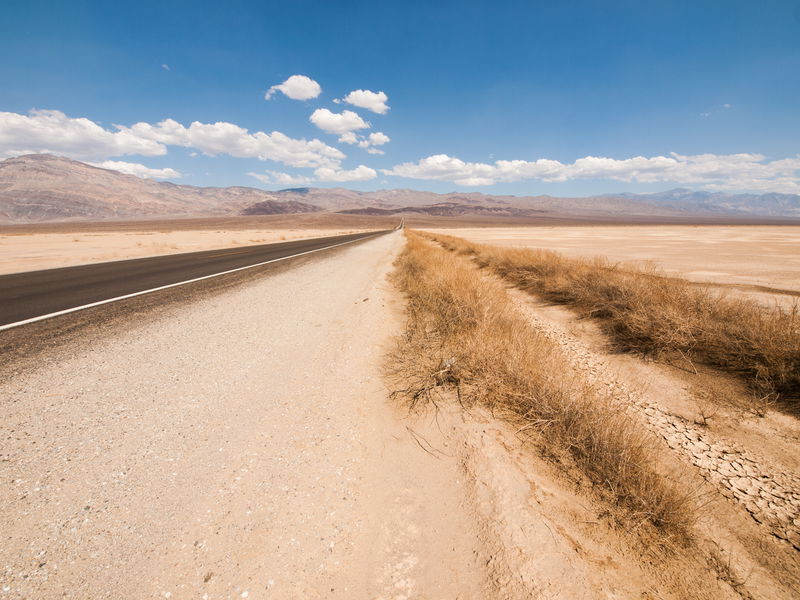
(257, 437)
(742, 255)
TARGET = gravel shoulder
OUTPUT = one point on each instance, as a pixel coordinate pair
(239, 447)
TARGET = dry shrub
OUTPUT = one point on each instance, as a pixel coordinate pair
(463, 331)
(648, 311)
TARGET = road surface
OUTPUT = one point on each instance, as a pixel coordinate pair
(32, 294)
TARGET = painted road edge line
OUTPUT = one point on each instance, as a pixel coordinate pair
(66, 311)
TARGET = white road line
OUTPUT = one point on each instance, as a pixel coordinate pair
(171, 285)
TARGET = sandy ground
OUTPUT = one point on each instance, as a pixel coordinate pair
(261, 460)
(32, 251)
(748, 255)
(243, 445)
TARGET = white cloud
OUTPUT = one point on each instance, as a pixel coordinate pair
(138, 169)
(446, 168)
(227, 138)
(360, 173)
(374, 101)
(165, 66)
(51, 131)
(340, 123)
(348, 138)
(727, 171)
(281, 178)
(373, 139)
(297, 87)
(726, 105)
(379, 138)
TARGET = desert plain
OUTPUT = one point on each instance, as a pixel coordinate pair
(754, 258)
(733, 254)
(248, 441)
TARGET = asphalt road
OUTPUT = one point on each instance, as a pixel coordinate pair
(32, 294)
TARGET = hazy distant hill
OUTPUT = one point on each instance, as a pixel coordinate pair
(770, 205)
(403, 200)
(41, 187)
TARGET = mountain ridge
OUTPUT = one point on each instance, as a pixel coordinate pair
(43, 187)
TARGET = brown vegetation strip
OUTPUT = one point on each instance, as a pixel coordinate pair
(647, 311)
(463, 332)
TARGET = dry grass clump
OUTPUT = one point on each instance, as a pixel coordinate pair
(463, 332)
(648, 311)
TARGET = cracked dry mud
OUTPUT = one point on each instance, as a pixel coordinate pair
(770, 496)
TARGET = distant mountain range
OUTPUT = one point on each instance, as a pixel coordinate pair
(765, 205)
(42, 187)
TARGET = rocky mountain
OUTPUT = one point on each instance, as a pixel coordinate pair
(41, 187)
(383, 202)
(279, 207)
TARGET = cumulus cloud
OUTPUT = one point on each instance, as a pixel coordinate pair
(374, 101)
(376, 138)
(281, 178)
(341, 123)
(348, 138)
(227, 138)
(727, 171)
(360, 173)
(138, 169)
(297, 87)
(54, 132)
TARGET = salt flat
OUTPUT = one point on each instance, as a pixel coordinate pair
(740, 255)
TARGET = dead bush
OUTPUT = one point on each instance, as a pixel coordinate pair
(463, 333)
(650, 312)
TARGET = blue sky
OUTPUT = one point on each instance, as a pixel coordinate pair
(563, 98)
